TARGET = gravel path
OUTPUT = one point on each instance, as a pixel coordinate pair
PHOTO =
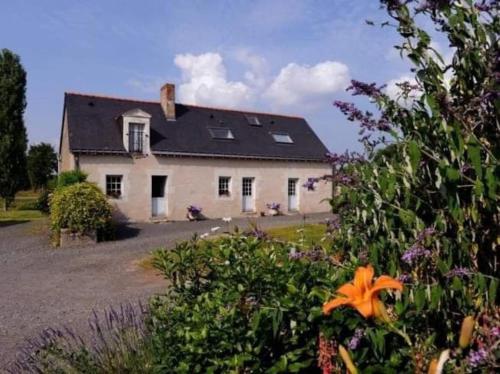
(41, 286)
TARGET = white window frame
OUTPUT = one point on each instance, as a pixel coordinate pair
(114, 183)
(229, 189)
(230, 135)
(282, 138)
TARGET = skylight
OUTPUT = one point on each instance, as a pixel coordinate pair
(253, 120)
(282, 138)
(220, 133)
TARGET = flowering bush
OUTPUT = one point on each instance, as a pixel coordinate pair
(81, 208)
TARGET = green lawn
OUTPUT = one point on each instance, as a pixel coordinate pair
(310, 233)
(22, 209)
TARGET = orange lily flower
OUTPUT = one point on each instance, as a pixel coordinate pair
(362, 293)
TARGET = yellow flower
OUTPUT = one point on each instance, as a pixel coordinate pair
(362, 293)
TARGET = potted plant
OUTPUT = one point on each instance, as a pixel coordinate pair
(274, 209)
(194, 213)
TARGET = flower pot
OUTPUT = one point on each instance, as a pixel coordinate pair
(273, 212)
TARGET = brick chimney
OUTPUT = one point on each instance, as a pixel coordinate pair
(167, 100)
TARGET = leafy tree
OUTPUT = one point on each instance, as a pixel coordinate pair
(42, 164)
(13, 138)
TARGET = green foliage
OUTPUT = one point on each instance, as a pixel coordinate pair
(81, 208)
(67, 178)
(440, 172)
(42, 164)
(239, 305)
(13, 139)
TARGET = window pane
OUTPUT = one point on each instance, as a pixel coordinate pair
(224, 186)
(282, 138)
(136, 137)
(114, 185)
(221, 133)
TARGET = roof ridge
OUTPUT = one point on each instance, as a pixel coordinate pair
(242, 111)
(121, 98)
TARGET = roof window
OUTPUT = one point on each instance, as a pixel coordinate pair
(253, 120)
(221, 133)
(282, 138)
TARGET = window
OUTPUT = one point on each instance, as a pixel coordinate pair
(282, 138)
(135, 137)
(220, 133)
(253, 120)
(114, 186)
(224, 186)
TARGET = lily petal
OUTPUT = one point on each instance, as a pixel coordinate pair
(335, 303)
(363, 278)
(384, 282)
(350, 291)
(364, 307)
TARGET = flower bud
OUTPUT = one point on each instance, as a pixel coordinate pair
(433, 366)
(466, 331)
(347, 360)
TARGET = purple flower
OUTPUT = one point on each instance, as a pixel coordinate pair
(459, 272)
(415, 252)
(425, 233)
(274, 206)
(366, 120)
(310, 183)
(332, 224)
(495, 332)
(367, 89)
(193, 209)
(405, 278)
(356, 339)
(477, 358)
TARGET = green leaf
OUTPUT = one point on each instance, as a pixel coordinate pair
(474, 153)
(415, 155)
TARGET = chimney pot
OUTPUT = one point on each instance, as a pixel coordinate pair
(167, 100)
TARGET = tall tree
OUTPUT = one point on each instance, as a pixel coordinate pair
(42, 164)
(13, 138)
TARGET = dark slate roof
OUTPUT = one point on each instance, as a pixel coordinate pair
(93, 123)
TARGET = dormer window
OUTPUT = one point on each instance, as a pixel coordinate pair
(282, 138)
(136, 130)
(220, 133)
(136, 137)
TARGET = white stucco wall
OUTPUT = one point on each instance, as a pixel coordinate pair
(195, 181)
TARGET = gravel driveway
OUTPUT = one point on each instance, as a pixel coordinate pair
(41, 286)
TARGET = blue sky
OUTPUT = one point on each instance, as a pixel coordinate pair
(288, 56)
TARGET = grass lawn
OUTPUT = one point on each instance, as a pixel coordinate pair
(21, 209)
(310, 233)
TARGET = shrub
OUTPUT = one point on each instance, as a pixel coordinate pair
(81, 208)
(27, 205)
(43, 202)
(117, 342)
(67, 178)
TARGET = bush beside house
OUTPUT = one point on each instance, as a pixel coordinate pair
(80, 209)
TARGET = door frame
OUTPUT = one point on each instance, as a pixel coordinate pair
(252, 209)
(297, 200)
(165, 195)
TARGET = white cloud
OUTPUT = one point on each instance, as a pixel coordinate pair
(301, 83)
(257, 72)
(205, 82)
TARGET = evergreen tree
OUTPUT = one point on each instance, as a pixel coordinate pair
(13, 138)
(42, 164)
